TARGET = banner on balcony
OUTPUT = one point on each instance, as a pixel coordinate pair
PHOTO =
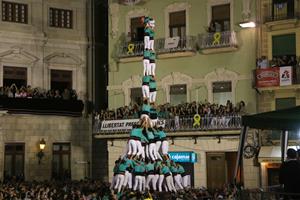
(286, 75)
(124, 125)
(267, 77)
(171, 42)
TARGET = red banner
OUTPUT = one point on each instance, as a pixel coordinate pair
(267, 77)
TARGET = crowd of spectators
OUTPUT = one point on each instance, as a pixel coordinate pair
(277, 61)
(38, 93)
(55, 190)
(168, 111)
(97, 190)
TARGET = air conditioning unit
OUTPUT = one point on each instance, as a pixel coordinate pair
(129, 2)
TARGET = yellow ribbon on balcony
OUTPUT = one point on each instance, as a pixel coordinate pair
(197, 120)
(130, 49)
(217, 38)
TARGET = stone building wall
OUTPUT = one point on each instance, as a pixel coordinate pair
(30, 129)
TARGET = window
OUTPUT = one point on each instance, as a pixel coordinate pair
(284, 45)
(177, 24)
(178, 94)
(222, 92)
(61, 169)
(14, 75)
(14, 161)
(136, 96)
(283, 9)
(61, 79)
(136, 30)
(60, 18)
(14, 12)
(221, 17)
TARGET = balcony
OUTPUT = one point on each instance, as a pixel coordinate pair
(281, 14)
(218, 42)
(133, 51)
(277, 78)
(186, 47)
(59, 107)
(208, 125)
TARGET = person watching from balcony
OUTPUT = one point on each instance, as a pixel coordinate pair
(289, 174)
(212, 27)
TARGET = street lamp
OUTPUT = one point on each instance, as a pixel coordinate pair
(41, 154)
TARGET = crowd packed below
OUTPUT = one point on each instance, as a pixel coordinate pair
(168, 111)
(38, 93)
(96, 190)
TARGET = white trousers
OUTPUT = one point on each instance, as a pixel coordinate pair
(154, 181)
(177, 179)
(132, 147)
(138, 183)
(185, 181)
(150, 178)
(113, 182)
(120, 181)
(152, 151)
(146, 91)
(160, 182)
(151, 44)
(158, 145)
(141, 150)
(146, 42)
(128, 180)
(170, 183)
(147, 68)
(165, 147)
(152, 68)
(152, 96)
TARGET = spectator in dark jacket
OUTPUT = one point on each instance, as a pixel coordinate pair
(289, 174)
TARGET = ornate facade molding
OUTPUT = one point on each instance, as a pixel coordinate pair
(18, 55)
(175, 7)
(135, 13)
(211, 3)
(220, 74)
(63, 58)
(114, 13)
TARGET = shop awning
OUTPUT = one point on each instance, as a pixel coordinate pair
(286, 119)
(271, 153)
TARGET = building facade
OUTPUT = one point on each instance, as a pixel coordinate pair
(43, 44)
(278, 48)
(212, 61)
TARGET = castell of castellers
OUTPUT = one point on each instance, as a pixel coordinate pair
(146, 166)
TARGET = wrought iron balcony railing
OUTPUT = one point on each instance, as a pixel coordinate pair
(133, 49)
(181, 124)
(281, 10)
(218, 40)
(187, 43)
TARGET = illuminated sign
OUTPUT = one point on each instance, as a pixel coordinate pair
(189, 157)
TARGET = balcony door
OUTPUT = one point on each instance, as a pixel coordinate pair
(14, 161)
(61, 169)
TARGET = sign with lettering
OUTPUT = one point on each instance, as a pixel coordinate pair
(183, 156)
(286, 75)
(267, 77)
(123, 125)
(171, 42)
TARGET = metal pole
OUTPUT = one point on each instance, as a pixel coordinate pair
(284, 144)
(239, 158)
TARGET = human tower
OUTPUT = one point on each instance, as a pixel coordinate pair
(146, 165)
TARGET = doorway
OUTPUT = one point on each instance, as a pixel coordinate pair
(220, 169)
(14, 161)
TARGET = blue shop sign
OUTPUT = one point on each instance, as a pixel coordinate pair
(188, 157)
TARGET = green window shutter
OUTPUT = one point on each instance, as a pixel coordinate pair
(284, 45)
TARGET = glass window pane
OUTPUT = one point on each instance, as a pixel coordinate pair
(19, 162)
(56, 147)
(8, 165)
(66, 147)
